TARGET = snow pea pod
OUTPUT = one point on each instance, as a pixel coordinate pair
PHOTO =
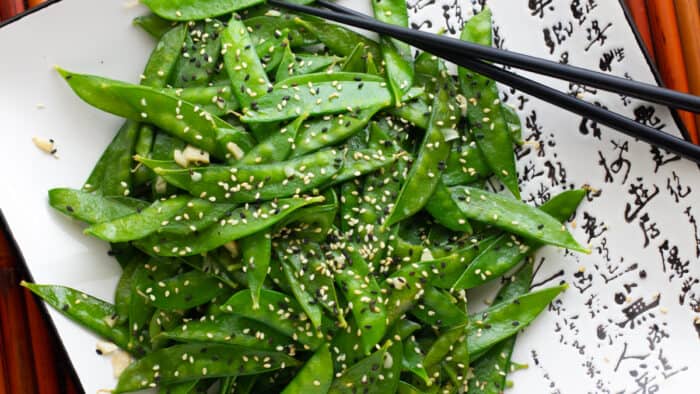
(112, 173)
(175, 116)
(443, 345)
(89, 207)
(466, 164)
(183, 291)
(361, 162)
(491, 369)
(278, 312)
(412, 360)
(513, 120)
(166, 366)
(425, 171)
(252, 182)
(355, 60)
(96, 315)
(513, 216)
(231, 330)
(122, 293)
(244, 68)
(306, 301)
(328, 130)
(257, 251)
(416, 112)
(164, 57)
(293, 64)
(338, 39)
(318, 97)
(484, 112)
(508, 250)
(189, 10)
(244, 221)
(397, 55)
(277, 146)
(160, 321)
(504, 319)
(266, 27)
(439, 309)
(141, 224)
(444, 210)
(197, 215)
(200, 54)
(353, 276)
(153, 25)
(179, 388)
(364, 376)
(315, 377)
(217, 100)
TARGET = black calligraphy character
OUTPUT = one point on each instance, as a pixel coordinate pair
(537, 7)
(649, 230)
(646, 114)
(596, 34)
(583, 281)
(624, 357)
(498, 40)
(655, 335)
(644, 383)
(661, 158)
(696, 233)
(677, 191)
(687, 286)
(637, 308)
(615, 54)
(521, 102)
(668, 371)
(642, 196)
(669, 255)
(591, 227)
(548, 41)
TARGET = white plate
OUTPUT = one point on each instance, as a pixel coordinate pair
(605, 334)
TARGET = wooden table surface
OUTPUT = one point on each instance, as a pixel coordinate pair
(32, 360)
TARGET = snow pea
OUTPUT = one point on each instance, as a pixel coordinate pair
(378, 373)
(217, 100)
(179, 388)
(277, 146)
(306, 301)
(200, 54)
(397, 55)
(416, 112)
(361, 162)
(444, 344)
(257, 252)
(354, 278)
(328, 130)
(412, 360)
(141, 224)
(293, 64)
(513, 120)
(160, 321)
(444, 210)
(94, 314)
(197, 215)
(112, 173)
(228, 329)
(244, 68)
(355, 60)
(165, 366)
(425, 171)
(315, 377)
(164, 57)
(513, 216)
(189, 10)
(338, 39)
(318, 97)
(278, 312)
(508, 250)
(491, 369)
(143, 147)
(504, 319)
(407, 388)
(266, 27)
(153, 25)
(182, 291)
(244, 221)
(439, 309)
(89, 207)
(249, 183)
(484, 112)
(122, 294)
(466, 164)
(175, 116)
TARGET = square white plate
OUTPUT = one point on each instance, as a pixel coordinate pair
(628, 322)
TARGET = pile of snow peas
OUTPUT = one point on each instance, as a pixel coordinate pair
(300, 209)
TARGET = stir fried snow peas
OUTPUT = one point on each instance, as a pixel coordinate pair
(293, 215)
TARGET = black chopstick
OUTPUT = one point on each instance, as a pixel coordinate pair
(430, 42)
(543, 92)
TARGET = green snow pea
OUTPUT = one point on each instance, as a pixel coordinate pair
(122, 294)
(175, 116)
(306, 301)
(416, 112)
(143, 147)
(153, 25)
(412, 360)
(231, 330)
(277, 146)
(466, 164)
(293, 64)
(508, 250)
(318, 97)
(504, 319)
(257, 252)
(484, 111)
(362, 291)
(188, 10)
(271, 51)
(365, 161)
(164, 147)
(197, 215)
(181, 292)
(252, 182)
(340, 40)
(112, 173)
(364, 375)
(244, 68)
(328, 130)
(425, 171)
(89, 207)
(160, 321)
(314, 222)
(444, 344)
(355, 60)
(407, 388)
(217, 100)
(200, 54)
(491, 369)
(316, 376)
(141, 224)
(166, 366)
(277, 311)
(266, 27)
(164, 57)
(244, 221)
(96, 315)
(513, 216)
(179, 388)
(439, 309)
(397, 55)
(513, 120)
(444, 210)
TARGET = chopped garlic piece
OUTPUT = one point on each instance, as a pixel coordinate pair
(232, 247)
(195, 155)
(235, 150)
(44, 144)
(120, 360)
(104, 347)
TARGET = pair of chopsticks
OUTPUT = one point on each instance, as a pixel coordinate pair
(474, 57)
(10, 8)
